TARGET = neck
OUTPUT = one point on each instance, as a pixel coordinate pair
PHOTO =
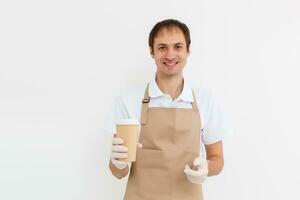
(172, 85)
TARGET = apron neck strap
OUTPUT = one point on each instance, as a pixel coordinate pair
(145, 105)
(194, 103)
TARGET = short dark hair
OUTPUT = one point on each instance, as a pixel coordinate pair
(169, 23)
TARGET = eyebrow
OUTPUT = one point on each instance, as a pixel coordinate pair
(163, 44)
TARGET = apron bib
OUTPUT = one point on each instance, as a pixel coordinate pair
(171, 139)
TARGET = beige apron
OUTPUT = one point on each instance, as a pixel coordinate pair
(171, 139)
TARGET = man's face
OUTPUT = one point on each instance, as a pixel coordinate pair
(170, 52)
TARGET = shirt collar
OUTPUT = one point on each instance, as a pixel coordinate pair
(186, 94)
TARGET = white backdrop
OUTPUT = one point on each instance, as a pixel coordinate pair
(62, 63)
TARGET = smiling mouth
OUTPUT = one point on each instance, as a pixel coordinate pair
(170, 64)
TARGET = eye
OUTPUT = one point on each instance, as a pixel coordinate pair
(161, 48)
(178, 47)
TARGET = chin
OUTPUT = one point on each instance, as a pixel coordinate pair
(170, 73)
(165, 71)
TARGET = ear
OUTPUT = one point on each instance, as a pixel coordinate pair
(188, 53)
(151, 52)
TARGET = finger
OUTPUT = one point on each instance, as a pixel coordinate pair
(197, 161)
(119, 155)
(195, 180)
(119, 164)
(195, 167)
(192, 179)
(200, 162)
(119, 148)
(196, 173)
(187, 170)
(140, 145)
(117, 140)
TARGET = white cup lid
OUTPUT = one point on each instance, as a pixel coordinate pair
(128, 122)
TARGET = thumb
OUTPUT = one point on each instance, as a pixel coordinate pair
(139, 145)
(200, 162)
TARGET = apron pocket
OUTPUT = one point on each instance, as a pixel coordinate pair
(153, 172)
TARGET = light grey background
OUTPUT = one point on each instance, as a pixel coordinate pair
(62, 63)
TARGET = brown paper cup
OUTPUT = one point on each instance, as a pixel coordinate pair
(127, 130)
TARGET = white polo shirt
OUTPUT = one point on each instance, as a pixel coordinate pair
(214, 123)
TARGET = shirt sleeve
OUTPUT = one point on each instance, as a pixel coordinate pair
(216, 125)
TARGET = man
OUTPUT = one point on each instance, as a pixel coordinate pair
(175, 121)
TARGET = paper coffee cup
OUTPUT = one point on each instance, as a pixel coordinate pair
(127, 130)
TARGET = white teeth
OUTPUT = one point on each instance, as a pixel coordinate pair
(173, 63)
(169, 64)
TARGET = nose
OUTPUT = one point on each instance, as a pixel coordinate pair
(170, 54)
